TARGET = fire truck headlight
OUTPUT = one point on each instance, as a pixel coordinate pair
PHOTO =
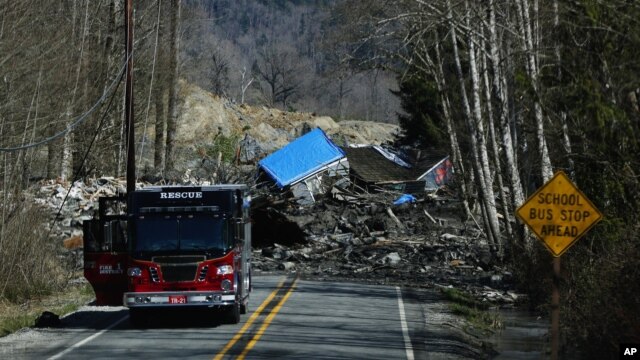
(134, 272)
(225, 285)
(225, 269)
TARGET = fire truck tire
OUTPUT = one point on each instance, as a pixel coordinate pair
(138, 318)
(244, 307)
(232, 314)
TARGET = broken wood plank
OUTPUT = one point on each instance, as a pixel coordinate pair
(393, 216)
(429, 216)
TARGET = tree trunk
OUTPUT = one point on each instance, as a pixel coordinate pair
(155, 91)
(159, 128)
(67, 154)
(499, 92)
(546, 170)
(172, 115)
(484, 170)
(473, 130)
(456, 155)
(494, 147)
(52, 148)
(159, 96)
(108, 60)
(67, 148)
(566, 142)
(243, 86)
(122, 137)
(31, 152)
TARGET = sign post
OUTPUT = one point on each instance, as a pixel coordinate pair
(559, 214)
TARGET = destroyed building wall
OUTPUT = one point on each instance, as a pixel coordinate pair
(371, 169)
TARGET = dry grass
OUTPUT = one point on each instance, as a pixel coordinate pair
(17, 316)
(29, 262)
(34, 275)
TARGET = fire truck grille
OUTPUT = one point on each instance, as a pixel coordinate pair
(173, 273)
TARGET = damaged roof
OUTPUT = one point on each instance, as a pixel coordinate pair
(371, 166)
(301, 158)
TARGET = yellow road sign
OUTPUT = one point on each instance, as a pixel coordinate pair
(558, 213)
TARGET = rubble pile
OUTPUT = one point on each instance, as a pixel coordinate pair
(71, 204)
(423, 244)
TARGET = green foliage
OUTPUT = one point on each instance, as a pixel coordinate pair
(533, 274)
(475, 312)
(227, 146)
(422, 120)
(600, 291)
(17, 316)
(600, 273)
(524, 85)
(15, 323)
(461, 298)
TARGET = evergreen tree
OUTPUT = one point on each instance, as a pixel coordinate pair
(421, 121)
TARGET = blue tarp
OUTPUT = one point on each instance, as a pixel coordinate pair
(301, 157)
(405, 198)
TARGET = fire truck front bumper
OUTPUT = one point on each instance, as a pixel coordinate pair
(178, 299)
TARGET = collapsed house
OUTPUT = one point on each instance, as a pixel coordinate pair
(374, 168)
(312, 164)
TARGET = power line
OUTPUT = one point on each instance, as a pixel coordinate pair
(76, 122)
(86, 154)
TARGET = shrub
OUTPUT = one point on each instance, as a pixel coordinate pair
(226, 146)
(28, 263)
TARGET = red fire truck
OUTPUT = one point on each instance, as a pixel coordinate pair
(174, 247)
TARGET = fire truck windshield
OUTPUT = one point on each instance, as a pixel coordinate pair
(184, 232)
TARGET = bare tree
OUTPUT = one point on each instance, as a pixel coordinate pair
(244, 83)
(495, 151)
(219, 71)
(67, 150)
(473, 119)
(278, 74)
(499, 92)
(172, 115)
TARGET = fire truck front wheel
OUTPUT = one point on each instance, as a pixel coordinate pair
(244, 307)
(232, 313)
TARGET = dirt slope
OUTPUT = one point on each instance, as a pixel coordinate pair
(203, 116)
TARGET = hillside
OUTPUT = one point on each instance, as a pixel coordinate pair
(258, 130)
(228, 42)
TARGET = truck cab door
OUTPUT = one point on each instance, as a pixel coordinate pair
(106, 258)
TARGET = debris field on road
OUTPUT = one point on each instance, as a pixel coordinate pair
(424, 243)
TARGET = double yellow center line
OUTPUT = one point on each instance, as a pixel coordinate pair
(283, 290)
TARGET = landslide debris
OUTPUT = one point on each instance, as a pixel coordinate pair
(422, 244)
(367, 238)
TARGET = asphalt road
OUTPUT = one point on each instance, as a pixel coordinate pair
(287, 319)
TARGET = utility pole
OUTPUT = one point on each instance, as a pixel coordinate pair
(131, 160)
